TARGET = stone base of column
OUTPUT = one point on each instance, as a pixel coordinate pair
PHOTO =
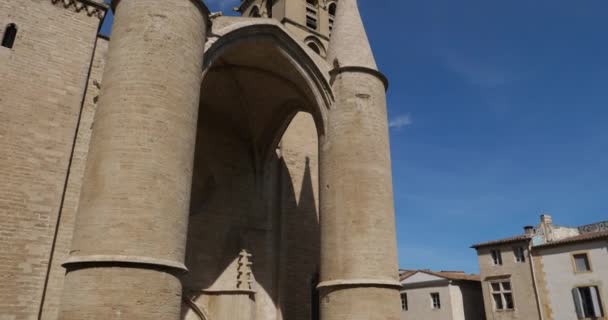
(121, 292)
(359, 303)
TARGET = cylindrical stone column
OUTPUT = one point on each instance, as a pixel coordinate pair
(130, 235)
(359, 271)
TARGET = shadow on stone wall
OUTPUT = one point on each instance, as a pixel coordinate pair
(237, 206)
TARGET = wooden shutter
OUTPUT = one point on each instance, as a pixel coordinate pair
(597, 305)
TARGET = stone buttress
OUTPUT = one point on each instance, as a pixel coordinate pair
(130, 235)
(359, 278)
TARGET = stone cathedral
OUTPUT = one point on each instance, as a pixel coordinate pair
(193, 165)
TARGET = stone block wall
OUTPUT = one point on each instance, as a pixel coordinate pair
(44, 76)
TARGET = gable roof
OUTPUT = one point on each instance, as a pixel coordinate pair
(448, 275)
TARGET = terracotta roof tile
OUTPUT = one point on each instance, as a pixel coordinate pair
(450, 275)
(518, 238)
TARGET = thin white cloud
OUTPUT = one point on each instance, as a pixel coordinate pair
(479, 74)
(401, 121)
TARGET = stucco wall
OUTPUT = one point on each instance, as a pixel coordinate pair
(558, 269)
(520, 275)
(457, 302)
(420, 303)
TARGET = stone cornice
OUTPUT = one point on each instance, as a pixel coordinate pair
(91, 8)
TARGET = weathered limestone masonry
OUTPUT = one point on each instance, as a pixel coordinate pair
(65, 229)
(44, 77)
(358, 245)
(235, 147)
(130, 235)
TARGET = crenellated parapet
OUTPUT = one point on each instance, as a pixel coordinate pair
(91, 8)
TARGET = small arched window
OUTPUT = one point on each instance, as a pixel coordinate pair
(314, 47)
(332, 9)
(255, 12)
(332, 15)
(10, 34)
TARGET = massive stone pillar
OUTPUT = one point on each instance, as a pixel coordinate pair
(130, 235)
(359, 271)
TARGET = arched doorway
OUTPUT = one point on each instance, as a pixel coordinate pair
(254, 232)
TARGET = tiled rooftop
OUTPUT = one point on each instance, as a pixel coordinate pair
(450, 275)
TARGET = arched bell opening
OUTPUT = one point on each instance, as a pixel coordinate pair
(253, 242)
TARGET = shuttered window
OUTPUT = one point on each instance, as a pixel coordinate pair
(587, 302)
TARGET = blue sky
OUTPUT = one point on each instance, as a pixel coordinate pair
(499, 112)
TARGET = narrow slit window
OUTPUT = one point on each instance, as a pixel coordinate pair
(10, 34)
(332, 16)
(404, 305)
(520, 254)
(496, 257)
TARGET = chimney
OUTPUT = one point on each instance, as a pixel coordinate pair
(529, 230)
(546, 219)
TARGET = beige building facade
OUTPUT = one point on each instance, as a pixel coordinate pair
(445, 295)
(195, 166)
(549, 272)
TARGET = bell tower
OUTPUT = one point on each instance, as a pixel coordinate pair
(310, 20)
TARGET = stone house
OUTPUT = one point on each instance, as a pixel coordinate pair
(194, 165)
(444, 295)
(549, 272)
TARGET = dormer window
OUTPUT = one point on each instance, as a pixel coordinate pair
(10, 34)
(312, 12)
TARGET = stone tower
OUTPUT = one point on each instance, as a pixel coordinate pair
(220, 168)
(311, 21)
